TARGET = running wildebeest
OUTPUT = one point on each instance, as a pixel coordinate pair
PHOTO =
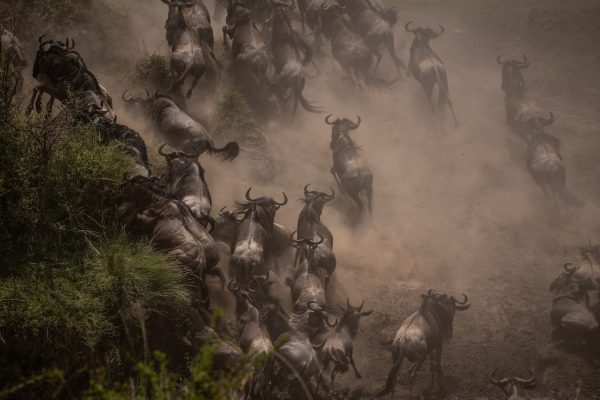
(251, 249)
(180, 130)
(252, 64)
(428, 69)
(147, 210)
(573, 320)
(290, 54)
(545, 163)
(190, 36)
(374, 24)
(337, 345)
(348, 47)
(186, 181)
(513, 383)
(311, 227)
(61, 71)
(11, 49)
(421, 335)
(305, 283)
(350, 170)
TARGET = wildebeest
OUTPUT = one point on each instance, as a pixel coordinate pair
(254, 340)
(190, 36)
(11, 50)
(252, 63)
(61, 71)
(573, 320)
(428, 69)
(180, 130)
(185, 178)
(305, 283)
(513, 382)
(250, 249)
(290, 54)
(348, 47)
(544, 161)
(311, 227)
(337, 345)
(173, 229)
(374, 24)
(421, 335)
(351, 172)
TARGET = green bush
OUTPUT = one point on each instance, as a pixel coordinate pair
(64, 10)
(153, 71)
(233, 112)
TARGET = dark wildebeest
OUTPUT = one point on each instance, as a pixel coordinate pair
(290, 54)
(11, 50)
(252, 64)
(428, 69)
(112, 132)
(421, 335)
(374, 24)
(60, 71)
(251, 247)
(180, 130)
(190, 36)
(348, 47)
(170, 224)
(544, 162)
(254, 341)
(185, 178)
(298, 350)
(310, 227)
(337, 347)
(350, 170)
(571, 315)
(513, 383)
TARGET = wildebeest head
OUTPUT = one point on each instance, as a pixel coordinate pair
(444, 307)
(312, 319)
(513, 382)
(352, 315)
(512, 80)
(316, 200)
(56, 59)
(306, 250)
(535, 128)
(237, 11)
(262, 208)
(178, 162)
(423, 35)
(175, 9)
(341, 126)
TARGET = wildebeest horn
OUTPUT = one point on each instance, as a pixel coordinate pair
(406, 26)
(297, 241)
(326, 318)
(499, 60)
(327, 120)
(160, 151)
(347, 302)
(527, 381)
(441, 31)
(248, 195)
(464, 301)
(306, 191)
(321, 239)
(332, 195)
(496, 381)
(221, 211)
(461, 305)
(358, 120)
(41, 38)
(549, 120)
(361, 306)
(523, 64)
(569, 267)
(285, 200)
(125, 97)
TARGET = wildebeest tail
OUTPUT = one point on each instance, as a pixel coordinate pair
(227, 153)
(308, 106)
(398, 357)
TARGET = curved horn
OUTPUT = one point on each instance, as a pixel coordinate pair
(406, 27)
(222, 210)
(321, 239)
(41, 38)
(569, 267)
(357, 123)
(306, 191)
(526, 381)
(347, 302)
(230, 286)
(160, 151)
(441, 31)
(297, 241)
(499, 60)
(524, 60)
(464, 301)
(327, 120)
(496, 381)
(285, 200)
(326, 318)
(332, 195)
(361, 305)
(125, 97)
(248, 195)
(523, 64)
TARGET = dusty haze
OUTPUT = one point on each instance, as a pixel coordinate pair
(454, 209)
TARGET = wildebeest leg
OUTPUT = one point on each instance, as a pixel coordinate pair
(378, 56)
(438, 367)
(428, 88)
(412, 373)
(354, 195)
(356, 373)
(34, 96)
(337, 180)
(332, 377)
(390, 384)
(452, 111)
(194, 83)
(369, 190)
(225, 42)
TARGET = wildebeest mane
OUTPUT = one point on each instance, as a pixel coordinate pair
(259, 212)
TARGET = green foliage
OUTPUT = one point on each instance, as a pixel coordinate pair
(233, 112)
(64, 10)
(153, 70)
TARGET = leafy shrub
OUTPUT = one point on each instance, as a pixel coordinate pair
(233, 112)
(153, 70)
(67, 11)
